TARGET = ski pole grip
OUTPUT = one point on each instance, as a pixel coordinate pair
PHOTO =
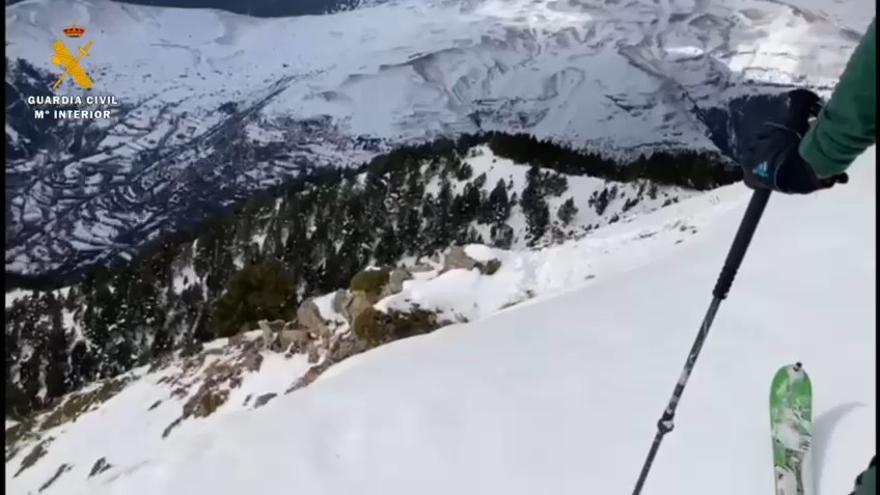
(741, 242)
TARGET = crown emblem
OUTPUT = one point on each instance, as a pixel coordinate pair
(74, 31)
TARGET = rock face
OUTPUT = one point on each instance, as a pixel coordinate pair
(376, 327)
(99, 466)
(264, 399)
(395, 281)
(218, 378)
(359, 302)
(309, 317)
(270, 332)
(341, 300)
(295, 340)
(457, 258)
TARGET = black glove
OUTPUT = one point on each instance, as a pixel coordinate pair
(774, 162)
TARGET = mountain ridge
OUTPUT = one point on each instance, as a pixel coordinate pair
(212, 112)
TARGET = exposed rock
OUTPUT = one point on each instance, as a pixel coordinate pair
(155, 405)
(61, 469)
(252, 359)
(160, 362)
(174, 424)
(490, 267)
(341, 300)
(309, 317)
(457, 258)
(346, 347)
(360, 301)
(311, 375)
(395, 281)
(34, 455)
(77, 403)
(376, 328)
(313, 354)
(205, 402)
(268, 335)
(297, 339)
(18, 435)
(264, 399)
(340, 350)
(218, 378)
(100, 466)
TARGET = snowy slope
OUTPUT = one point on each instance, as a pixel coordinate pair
(217, 105)
(559, 394)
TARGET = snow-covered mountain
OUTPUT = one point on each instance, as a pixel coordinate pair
(257, 8)
(217, 105)
(554, 386)
(316, 237)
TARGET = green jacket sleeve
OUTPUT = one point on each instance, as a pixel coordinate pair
(847, 123)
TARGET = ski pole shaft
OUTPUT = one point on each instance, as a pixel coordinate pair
(737, 252)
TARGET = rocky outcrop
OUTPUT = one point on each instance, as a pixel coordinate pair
(308, 316)
(294, 340)
(360, 301)
(396, 278)
(457, 258)
(342, 348)
(376, 327)
(341, 300)
(270, 331)
(218, 378)
(264, 399)
(99, 467)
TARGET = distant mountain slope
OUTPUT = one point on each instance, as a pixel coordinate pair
(256, 8)
(407, 207)
(217, 106)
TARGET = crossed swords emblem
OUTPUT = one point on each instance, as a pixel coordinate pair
(71, 65)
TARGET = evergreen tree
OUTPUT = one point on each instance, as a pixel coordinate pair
(256, 292)
(534, 206)
(498, 207)
(567, 211)
(442, 226)
(56, 366)
(388, 250)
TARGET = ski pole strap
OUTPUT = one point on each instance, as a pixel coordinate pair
(741, 242)
(665, 424)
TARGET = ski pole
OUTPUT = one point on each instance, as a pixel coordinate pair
(734, 258)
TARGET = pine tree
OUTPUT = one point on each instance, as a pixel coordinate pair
(498, 206)
(442, 227)
(388, 250)
(256, 292)
(567, 211)
(56, 366)
(534, 206)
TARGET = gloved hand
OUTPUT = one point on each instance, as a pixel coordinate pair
(774, 162)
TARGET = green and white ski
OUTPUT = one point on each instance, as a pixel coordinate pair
(791, 409)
